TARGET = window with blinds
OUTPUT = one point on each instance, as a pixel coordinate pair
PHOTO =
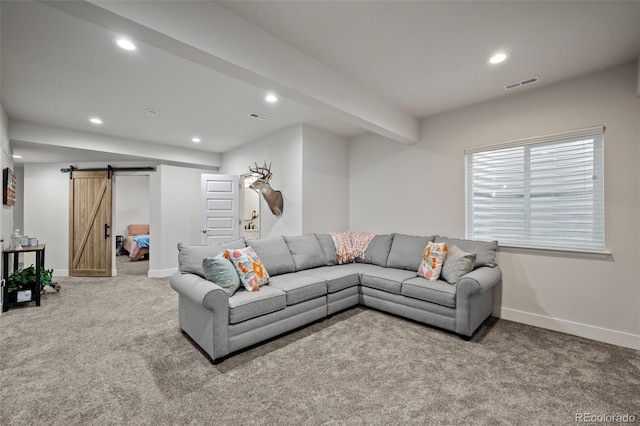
(545, 192)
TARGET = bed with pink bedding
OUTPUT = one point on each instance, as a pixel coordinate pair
(136, 243)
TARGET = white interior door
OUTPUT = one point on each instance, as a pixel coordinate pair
(220, 208)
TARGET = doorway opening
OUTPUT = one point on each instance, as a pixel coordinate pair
(250, 207)
(131, 216)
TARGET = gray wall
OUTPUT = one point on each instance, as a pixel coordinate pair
(419, 189)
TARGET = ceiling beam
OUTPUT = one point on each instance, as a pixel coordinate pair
(23, 131)
(206, 33)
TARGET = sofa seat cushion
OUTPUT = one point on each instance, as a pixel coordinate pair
(438, 292)
(299, 287)
(386, 279)
(244, 305)
(340, 277)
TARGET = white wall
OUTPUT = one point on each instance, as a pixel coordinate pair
(325, 182)
(175, 215)
(131, 201)
(284, 151)
(174, 200)
(311, 168)
(46, 212)
(6, 217)
(419, 189)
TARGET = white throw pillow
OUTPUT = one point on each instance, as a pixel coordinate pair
(432, 261)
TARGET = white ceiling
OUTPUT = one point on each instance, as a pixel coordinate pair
(60, 65)
(429, 56)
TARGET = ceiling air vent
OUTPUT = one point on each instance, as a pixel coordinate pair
(258, 116)
(520, 83)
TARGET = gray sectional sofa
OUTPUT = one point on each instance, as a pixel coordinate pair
(307, 285)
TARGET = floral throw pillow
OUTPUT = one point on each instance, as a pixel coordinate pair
(432, 261)
(221, 271)
(249, 267)
(456, 264)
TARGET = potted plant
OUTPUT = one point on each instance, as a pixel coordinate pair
(25, 279)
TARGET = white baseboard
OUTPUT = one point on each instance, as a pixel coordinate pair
(160, 273)
(60, 273)
(600, 334)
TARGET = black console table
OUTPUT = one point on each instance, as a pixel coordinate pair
(39, 250)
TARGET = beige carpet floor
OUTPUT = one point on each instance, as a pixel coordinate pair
(110, 352)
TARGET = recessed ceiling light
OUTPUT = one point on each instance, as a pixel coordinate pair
(95, 120)
(271, 98)
(497, 58)
(17, 156)
(195, 140)
(125, 44)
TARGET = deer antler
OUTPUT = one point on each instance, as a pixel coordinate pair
(263, 171)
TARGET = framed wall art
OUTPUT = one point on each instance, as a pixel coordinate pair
(9, 187)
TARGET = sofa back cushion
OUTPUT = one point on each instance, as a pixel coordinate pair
(485, 250)
(306, 252)
(329, 248)
(407, 251)
(377, 251)
(274, 254)
(190, 256)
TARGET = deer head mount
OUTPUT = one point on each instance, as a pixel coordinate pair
(272, 197)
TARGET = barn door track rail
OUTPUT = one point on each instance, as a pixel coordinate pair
(109, 169)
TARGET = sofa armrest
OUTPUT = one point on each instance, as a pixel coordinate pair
(198, 290)
(474, 298)
(478, 281)
(203, 312)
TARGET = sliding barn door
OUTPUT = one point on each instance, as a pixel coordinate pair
(90, 224)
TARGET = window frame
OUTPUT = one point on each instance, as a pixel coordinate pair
(525, 241)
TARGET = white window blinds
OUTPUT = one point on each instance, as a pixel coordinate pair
(545, 192)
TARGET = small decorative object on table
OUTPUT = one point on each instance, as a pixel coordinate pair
(16, 240)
